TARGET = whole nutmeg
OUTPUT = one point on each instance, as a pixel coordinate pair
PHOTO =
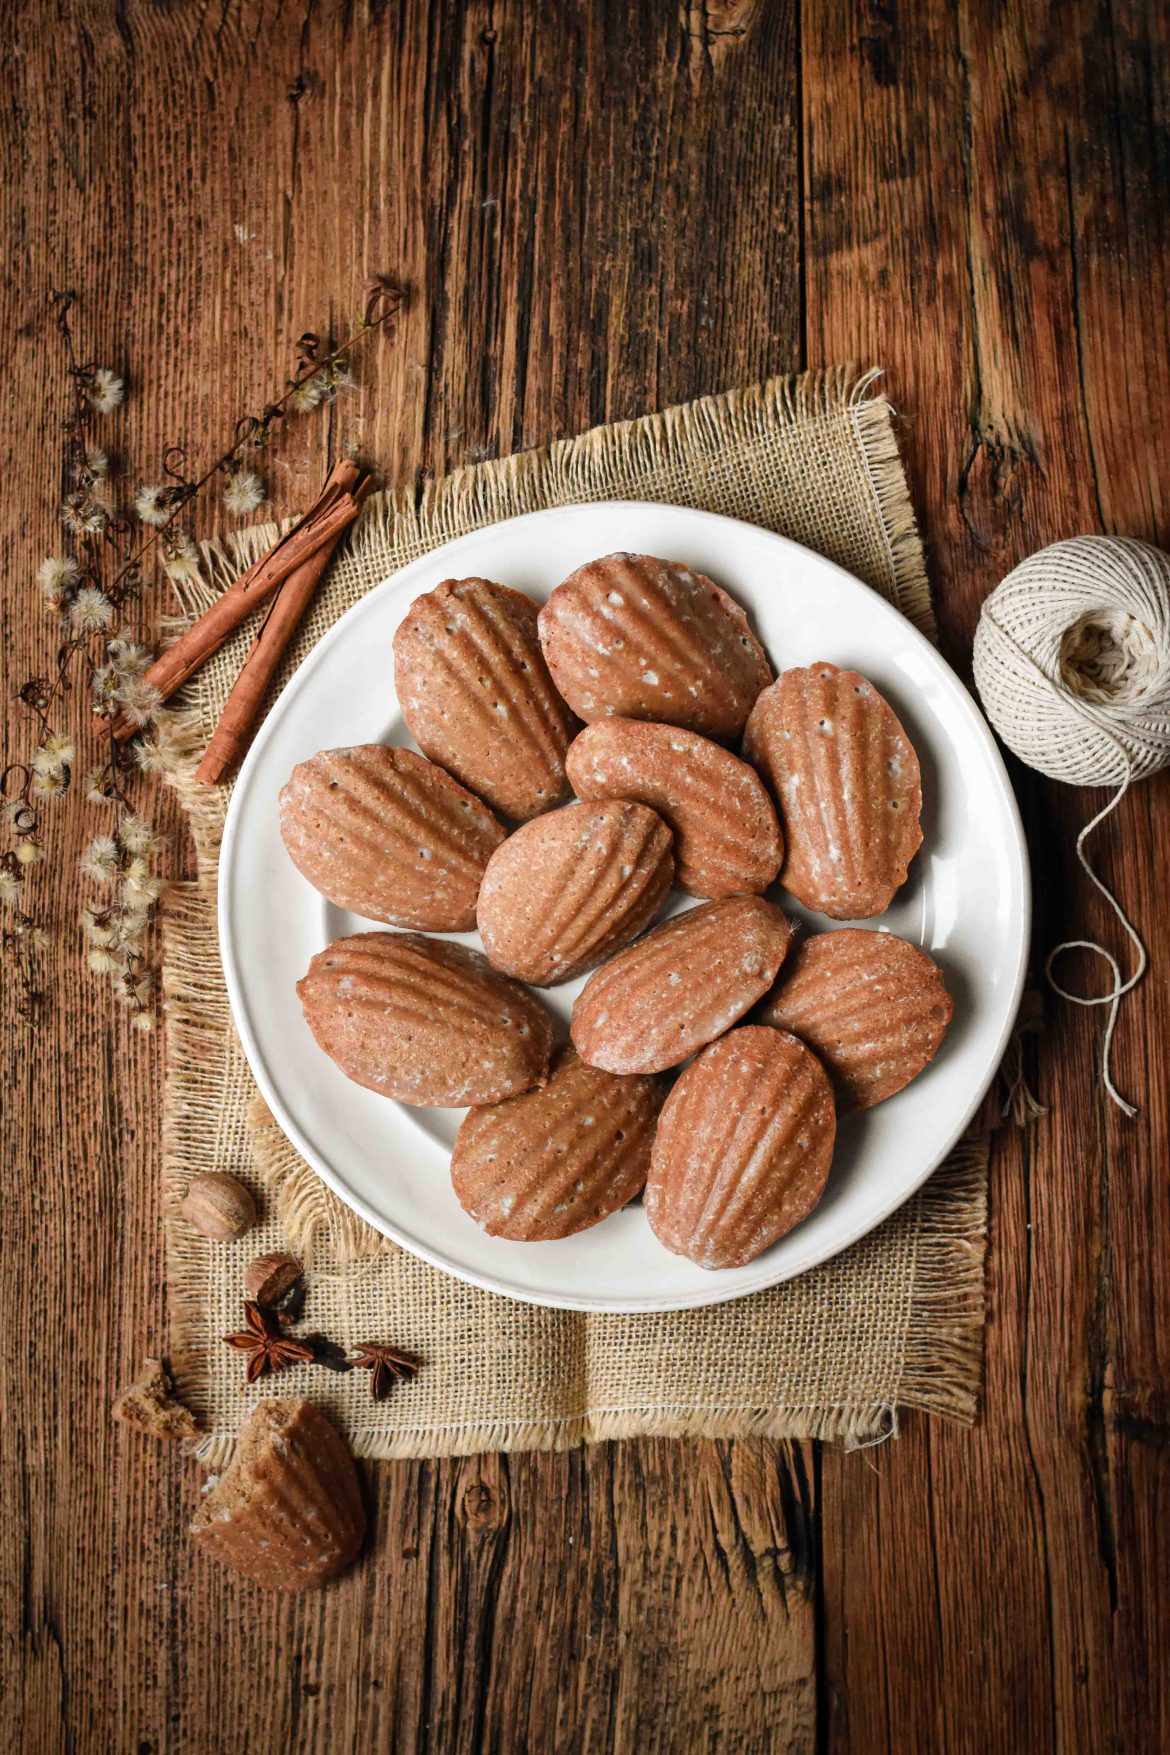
(219, 1206)
(269, 1278)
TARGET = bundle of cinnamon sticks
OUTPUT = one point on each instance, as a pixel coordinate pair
(292, 569)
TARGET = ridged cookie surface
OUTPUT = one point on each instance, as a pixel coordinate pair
(845, 778)
(743, 1148)
(560, 1159)
(871, 1006)
(424, 1020)
(389, 835)
(475, 691)
(727, 840)
(651, 639)
(288, 1511)
(661, 999)
(567, 889)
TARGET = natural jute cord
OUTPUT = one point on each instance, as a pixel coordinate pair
(1072, 662)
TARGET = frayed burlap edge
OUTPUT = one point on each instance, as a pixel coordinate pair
(942, 1365)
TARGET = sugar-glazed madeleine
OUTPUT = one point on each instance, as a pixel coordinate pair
(425, 1020)
(560, 1159)
(567, 889)
(389, 835)
(743, 1148)
(847, 785)
(727, 840)
(663, 998)
(475, 691)
(871, 1006)
(651, 639)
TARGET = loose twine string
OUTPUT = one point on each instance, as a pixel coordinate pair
(1072, 661)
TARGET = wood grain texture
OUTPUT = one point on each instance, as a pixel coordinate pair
(214, 181)
(989, 175)
(602, 209)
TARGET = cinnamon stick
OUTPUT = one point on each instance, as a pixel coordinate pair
(243, 705)
(317, 533)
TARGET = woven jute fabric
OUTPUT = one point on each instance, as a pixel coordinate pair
(894, 1322)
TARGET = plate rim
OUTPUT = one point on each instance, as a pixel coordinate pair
(253, 1053)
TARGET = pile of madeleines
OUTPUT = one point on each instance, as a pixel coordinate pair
(631, 688)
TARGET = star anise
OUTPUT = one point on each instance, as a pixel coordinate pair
(266, 1343)
(384, 1364)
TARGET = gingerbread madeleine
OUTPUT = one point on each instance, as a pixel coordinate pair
(651, 639)
(288, 1512)
(727, 840)
(566, 890)
(475, 691)
(387, 834)
(560, 1159)
(871, 1006)
(663, 998)
(424, 1020)
(743, 1148)
(846, 782)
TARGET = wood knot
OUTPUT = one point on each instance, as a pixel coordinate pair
(481, 1496)
(306, 85)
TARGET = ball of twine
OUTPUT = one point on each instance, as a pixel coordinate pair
(1072, 662)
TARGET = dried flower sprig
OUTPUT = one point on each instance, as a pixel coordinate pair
(93, 588)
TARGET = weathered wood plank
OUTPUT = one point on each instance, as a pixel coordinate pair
(555, 186)
(986, 176)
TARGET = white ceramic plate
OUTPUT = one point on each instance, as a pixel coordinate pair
(967, 903)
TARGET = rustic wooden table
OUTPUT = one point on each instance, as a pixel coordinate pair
(602, 209)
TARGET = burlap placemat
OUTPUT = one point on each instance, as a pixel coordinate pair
(894, 1322)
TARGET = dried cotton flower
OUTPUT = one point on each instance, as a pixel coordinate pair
(90, 611)
(55, 576)
(60, 748)
(96, 927)
(10, 888)
(101, 960)
(127, 658)
(181, 557)
(85, 512)
(99, 862)
(142, 891)
(29, 851)
(139, 700)
(243, 492)
(97, 462)
(153, 505)
(137, 836)
(308, 394)
(105, 685)
(105, 390)
(49, 782)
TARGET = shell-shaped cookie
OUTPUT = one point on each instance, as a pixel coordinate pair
(660, 1000)
(288, 1511)
(560, 1159)
(424, 1020)
(727, 840)
(845, 778)
(566, 890)
(872, 1007)
(389, 835)
(743, 1148)
(475, 691)
(651, 639)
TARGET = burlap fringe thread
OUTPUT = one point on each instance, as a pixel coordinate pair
(942, 1362)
